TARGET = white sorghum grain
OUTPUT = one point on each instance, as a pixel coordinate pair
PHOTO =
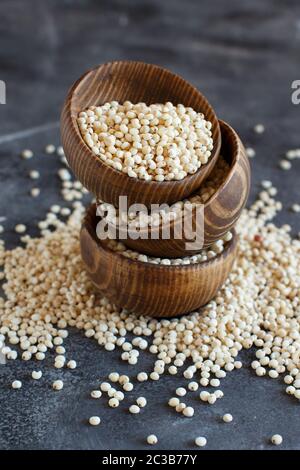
(125, 356)
(128, 386)
(55, 209)
(214, 382)
(60, 358)
(123, 379)
(57, 385)
(34, 174)
(114, 376)
(204, 395)
(142, 376)
(250, 152)
(172, 370)
(200, 441)
(157, 142)
(59, 364)
(65, 211)
(35, 192)
(212, 399)
(152, 439)
(111, 392)
(188, 411)
(141, 402)
(60, 151)
(180, 407)
(119, 395)
(113, 402)
(16, 384)
(64, 174)
(105, 386)
(255, 364)
(193, 386)
(50, 148)
(276, 439)
(96, 394)
(227, 418)
(259, 128)
(296, 208)
(180, 391)
(20, 228)
(297, 394)
(26, 154)
(134, 409)
(36, 374)
(94, 420)
(204, 382)
(12, 355)
(188, 374)
(72, 364)
(154, 376)
(273, 374)
(293, 153)
(260, 371)
(132, 360)
(40, 356)
(290, 390)
(266, 184)
(173, 402)
(26, 355)
(288, 379)
(285, 164)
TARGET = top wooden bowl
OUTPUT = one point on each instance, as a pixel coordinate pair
(220, 212)
(136, 82)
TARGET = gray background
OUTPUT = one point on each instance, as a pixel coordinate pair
(243, 55)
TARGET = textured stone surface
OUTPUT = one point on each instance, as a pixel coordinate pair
(243, 56)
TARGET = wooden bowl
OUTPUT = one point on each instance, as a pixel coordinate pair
(220, 212)
(134, 81)
(149, 289)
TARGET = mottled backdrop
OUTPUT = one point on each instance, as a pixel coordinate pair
(244, 56)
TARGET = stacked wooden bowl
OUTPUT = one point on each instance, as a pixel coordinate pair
(145, 288)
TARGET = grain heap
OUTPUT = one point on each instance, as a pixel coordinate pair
(160, 142)
(46, 290)
(205, 254)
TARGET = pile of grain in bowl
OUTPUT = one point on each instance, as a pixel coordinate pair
(166, 214)
(46, 291)
(159, 142)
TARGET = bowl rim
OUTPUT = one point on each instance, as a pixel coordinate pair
(68, 108)
(88, 224)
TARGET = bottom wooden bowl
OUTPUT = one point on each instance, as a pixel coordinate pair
(150, 289)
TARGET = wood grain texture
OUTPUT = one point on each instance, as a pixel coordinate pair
(220, 213)
(148, 289)
(134, 81)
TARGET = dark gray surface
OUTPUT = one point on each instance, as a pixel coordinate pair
(243, 56)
